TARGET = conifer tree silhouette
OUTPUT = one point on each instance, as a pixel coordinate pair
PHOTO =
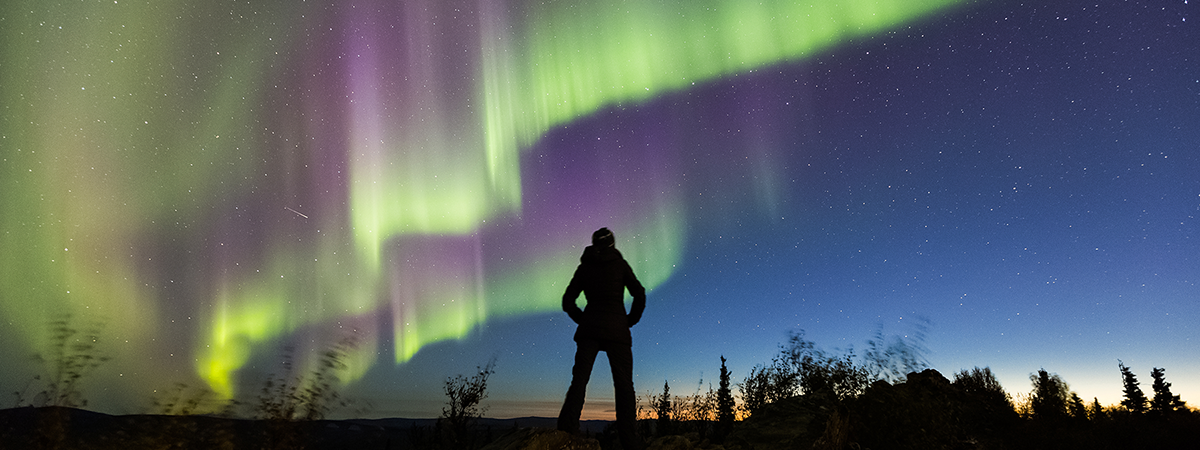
(663, 410)
(1135, 399)
(725, 403)
(1077, 408)
(1095, 411)
(1164, 401)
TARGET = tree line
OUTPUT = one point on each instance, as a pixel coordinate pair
(887, 397)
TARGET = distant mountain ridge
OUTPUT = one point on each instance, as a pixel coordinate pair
(586, 426)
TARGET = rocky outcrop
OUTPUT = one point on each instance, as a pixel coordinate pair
(786, 424)
(542, 439)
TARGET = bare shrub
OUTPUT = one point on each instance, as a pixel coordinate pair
(464, 398)
(73, 354)
(309, 396)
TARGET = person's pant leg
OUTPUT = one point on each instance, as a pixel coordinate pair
(620, 359)
(585, 358)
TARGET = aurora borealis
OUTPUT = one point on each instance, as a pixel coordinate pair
(213, 181)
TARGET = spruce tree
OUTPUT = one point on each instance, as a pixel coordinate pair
(725, 403)
(1078, 409)
(663, 410)
(1096, 412)
(1163, 401)
(1135, 399)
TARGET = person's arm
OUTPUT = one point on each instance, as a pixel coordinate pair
(568, 300)
(639, 296)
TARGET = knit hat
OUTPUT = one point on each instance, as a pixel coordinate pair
(603, 238)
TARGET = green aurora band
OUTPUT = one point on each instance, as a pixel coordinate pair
(134, 120)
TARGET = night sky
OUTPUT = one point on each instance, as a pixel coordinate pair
(214, 182)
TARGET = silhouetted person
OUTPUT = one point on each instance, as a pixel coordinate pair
(603, 276)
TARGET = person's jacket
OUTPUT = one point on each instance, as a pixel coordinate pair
(603, 276)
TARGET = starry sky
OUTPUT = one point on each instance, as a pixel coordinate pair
(208, 184)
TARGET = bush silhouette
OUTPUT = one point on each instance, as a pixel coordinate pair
(72, 355)
(310, 396)
(464, 397)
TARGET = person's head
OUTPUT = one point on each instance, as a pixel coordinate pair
(604, 238)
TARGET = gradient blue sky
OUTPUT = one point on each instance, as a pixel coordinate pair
(1021, 178)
